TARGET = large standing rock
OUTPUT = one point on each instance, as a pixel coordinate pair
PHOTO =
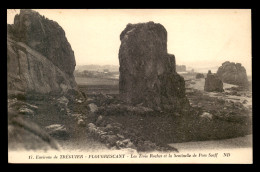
(233, 73)
(39, 57)
(213, 83)
(147, 72)
(45, 36)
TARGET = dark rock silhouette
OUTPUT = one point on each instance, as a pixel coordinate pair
(233, 73)
(199, 75)
(213, 83)
(147, 72)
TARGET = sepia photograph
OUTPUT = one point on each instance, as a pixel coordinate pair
(129, 86)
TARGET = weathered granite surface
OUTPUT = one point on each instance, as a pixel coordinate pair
(147, 72)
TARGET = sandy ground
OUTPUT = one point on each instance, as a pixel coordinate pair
(239, 142)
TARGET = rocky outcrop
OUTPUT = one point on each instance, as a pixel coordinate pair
(40, 63)
(213, 83)
(45, 36)
(39, 57)
(233, 73)
(29, 71)
(147, 72)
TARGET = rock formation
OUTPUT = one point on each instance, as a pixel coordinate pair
(147, 72)
(213, 83)
(45, 36)
(233, 73)
(39, 57)
(40, 61)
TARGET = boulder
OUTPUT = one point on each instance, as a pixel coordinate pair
(99, 120)
(125, 144)
(62, 104)
(81, 123)
(91, 125)
(93, 108)
(213, 83)
(111, 139)
(57, 131)
(26, 111)
(45, 36)
(206, 115)
(233, 73)
(109, 127)
(75, 96)
(147, 72)
(25, 134)
(39, 57)
(63, 101)
(120, 136)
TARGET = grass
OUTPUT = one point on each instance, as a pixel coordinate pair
(98, 85)
(96, 81)
(96, 89)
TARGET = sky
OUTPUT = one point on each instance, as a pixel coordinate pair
(199, 38)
